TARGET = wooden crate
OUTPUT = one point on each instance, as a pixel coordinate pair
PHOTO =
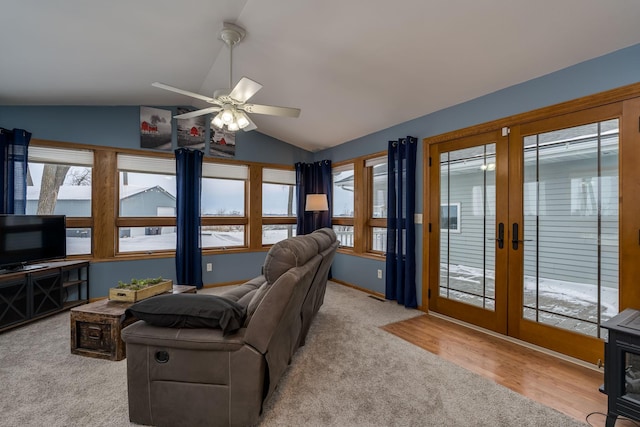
(96, 327)
(128, 295)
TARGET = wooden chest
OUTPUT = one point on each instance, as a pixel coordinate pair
(96, 327)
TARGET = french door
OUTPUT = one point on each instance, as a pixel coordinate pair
(469, 212)
(528, 238)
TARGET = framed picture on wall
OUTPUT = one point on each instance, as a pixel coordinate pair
(450, 217)
(222, 143)
(155, 128)
(191, 132)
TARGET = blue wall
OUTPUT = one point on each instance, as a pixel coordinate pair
(607, 72)
(228, 267)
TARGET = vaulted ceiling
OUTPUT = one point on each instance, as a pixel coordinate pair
(353, 67)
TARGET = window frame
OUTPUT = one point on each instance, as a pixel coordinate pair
(345, 220)
(157, 159)
(363, 221)
(373, 222)
(228, 220)
(70, 221)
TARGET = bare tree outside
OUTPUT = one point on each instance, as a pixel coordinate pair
(78, 176)
(52, 178)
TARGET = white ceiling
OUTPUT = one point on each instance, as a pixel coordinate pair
(353, 66)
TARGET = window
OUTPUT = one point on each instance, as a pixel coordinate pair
(147, 204)
(450, 217)
(343, 180)
(360, 204)
(223, 205)
(278, 205)
(59, 182)
(343, 187)
(376, 172)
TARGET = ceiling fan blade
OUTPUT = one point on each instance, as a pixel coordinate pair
(184, 92)
(245, 89)
(271, 110)
(197, 113)
(251, 126)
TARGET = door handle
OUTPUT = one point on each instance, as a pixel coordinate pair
(500, 238)
(514, 237)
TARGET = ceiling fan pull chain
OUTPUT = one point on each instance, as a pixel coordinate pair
(230, 64)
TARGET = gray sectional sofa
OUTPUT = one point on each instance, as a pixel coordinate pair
(202, 377)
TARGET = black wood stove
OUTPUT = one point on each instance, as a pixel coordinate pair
(622, 366)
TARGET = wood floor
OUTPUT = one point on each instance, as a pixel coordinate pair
(568, 387)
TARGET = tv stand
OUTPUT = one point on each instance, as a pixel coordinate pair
(23, 267)
(41, 290)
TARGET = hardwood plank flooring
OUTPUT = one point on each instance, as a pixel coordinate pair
(561, 384)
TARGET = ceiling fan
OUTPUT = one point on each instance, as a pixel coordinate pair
(232, 107)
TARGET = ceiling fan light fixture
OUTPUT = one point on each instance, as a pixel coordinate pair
(217, 121)
(233, 126)
(242, 119)
(227, 114)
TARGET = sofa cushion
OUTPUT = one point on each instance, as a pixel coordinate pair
(257, 298)
(324, 237)
(246, 298)
(286, 254)
(238, 292)
(190, 311)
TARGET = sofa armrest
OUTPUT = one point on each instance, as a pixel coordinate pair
(141, 332)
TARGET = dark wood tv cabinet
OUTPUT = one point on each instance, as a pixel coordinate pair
(49, 288)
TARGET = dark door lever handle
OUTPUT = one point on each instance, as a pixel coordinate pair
(500, 238)
(514, 237)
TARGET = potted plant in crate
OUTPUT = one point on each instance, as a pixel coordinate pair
(139, 289)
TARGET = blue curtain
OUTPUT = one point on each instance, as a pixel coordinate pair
(401, 234)
(189, 187)
(313, 178)
(14, 147)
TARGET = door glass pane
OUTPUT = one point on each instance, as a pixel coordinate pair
(467, 225)
(571, 227)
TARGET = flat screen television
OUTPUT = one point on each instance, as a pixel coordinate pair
(27, 239)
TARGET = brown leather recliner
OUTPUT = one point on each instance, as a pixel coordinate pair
(198, 377)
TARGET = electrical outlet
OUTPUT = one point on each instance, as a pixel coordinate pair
(379, 274)
(209, 266)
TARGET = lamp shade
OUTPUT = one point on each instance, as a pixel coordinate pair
(316, 202)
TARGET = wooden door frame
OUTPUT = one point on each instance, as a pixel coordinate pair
(590, 349)
(496, 320)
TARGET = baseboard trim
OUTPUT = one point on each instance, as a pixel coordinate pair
(519, 342)
(352, 286)
(365, 290)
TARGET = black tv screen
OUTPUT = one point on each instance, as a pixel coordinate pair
(26, 239)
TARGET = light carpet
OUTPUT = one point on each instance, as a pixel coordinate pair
(349, 373)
